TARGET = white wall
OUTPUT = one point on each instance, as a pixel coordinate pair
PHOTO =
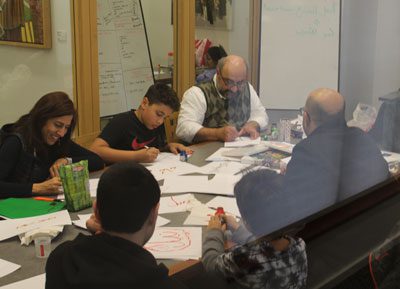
(387, 52)
(370, 51)
(236, 40)
(28, 73)
(157, 17)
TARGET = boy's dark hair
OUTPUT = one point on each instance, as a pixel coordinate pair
(260, 199)
(216, 53)
(126, 193)
(164, 94)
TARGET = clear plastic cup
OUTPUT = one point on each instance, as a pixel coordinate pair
(42, 246)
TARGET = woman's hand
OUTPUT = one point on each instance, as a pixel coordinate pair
(175, 148)
(49, 187)
(56, 166)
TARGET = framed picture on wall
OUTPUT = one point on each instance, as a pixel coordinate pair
(214, 14)
(25, 23)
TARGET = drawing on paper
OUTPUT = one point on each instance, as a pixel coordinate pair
(170, 240)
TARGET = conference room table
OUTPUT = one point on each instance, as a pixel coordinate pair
(334, 252)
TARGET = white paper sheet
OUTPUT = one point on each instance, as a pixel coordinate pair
(223, 184)
(217, 156)
(219, 185)
(13, 227)
(223, 167)
(242, 141)
(176, 204)
(93, 183)
(164, 157)
(7, 267)
(81, 223)
(280, 146)
(162, 170)
(199, 216)
(184, 184)
(37, 282)
(229, 205)
(390, 157)
(175, 243)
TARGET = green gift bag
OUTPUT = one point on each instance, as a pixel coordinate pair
(75, 180)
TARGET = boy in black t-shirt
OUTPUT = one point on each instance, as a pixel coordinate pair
(139, 135)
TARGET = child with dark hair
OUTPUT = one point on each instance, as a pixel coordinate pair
(139, 134)
(125, 215)
(273, 260)
(213, 55)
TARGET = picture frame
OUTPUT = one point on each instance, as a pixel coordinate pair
(214, 14)
(25, 23)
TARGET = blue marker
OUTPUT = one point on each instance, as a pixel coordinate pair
(183, 156)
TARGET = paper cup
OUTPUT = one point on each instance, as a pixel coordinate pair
(42, 246)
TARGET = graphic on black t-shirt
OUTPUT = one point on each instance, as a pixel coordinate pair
(126, 132)
(136, 145)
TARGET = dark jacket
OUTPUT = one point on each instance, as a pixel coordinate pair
(104, 261)
(333, 163)
(20, 168)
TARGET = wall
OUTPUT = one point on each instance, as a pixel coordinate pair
(28, 73)
(370, 51)
(157, 17)
(236, 40)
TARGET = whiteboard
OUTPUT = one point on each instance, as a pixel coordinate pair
(125, 70)
(299, 50)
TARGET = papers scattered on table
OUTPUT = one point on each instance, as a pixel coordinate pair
(242, 141)
(7, 267)
(176, 204)
(229, 205)
(175, 243)
(11, 228)
(223, 167)
(37, 282)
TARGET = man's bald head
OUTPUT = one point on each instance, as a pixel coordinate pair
(322, 105)
(233, 66)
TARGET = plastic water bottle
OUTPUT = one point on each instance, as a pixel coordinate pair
(274, 132)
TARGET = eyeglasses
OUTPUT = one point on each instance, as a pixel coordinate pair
(230, 83)
(301, 110)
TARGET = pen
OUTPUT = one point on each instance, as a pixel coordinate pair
(45, 199)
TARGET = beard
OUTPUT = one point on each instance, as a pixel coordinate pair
(229, 94)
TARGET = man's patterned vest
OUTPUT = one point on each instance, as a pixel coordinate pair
(222, 111)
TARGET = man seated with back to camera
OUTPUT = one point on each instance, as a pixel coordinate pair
(222, 109)
(335, 161)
